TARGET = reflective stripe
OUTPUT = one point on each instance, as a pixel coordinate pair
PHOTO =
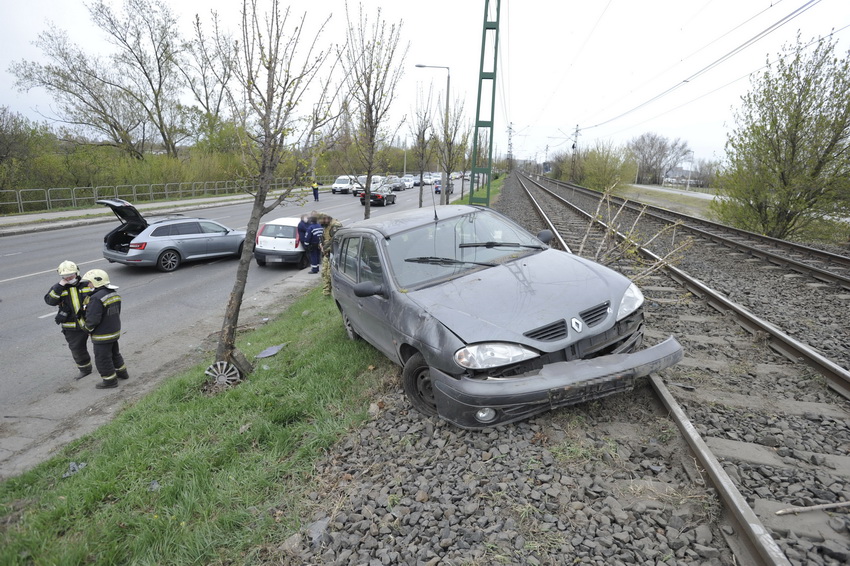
(105, 337)
(75, 302)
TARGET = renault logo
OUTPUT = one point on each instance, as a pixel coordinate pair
(576, 324)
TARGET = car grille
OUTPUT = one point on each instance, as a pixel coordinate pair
(549, 333)
(597, 314)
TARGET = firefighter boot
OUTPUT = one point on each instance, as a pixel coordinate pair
(122, 373)
(107, 383)
(84, 371)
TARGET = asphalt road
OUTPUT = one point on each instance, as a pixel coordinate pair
(168, 321)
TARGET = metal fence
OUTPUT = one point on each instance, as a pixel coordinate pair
(38, 200)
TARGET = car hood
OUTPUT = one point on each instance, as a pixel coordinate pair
(126, 212)
(504, 302)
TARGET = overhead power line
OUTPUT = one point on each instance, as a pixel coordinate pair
(716, 62)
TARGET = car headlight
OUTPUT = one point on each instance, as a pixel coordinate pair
(632, 300)
(492, 355)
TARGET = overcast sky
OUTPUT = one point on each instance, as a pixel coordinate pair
(601, 65)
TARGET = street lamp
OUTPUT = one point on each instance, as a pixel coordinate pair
(446, 125)
(690, 166)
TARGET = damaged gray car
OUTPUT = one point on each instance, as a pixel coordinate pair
(489, 323)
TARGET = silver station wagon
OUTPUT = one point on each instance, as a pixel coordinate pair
(489, 323)
(166, 243)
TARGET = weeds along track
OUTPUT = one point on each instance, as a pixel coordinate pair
(780, 433)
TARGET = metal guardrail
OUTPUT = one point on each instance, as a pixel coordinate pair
(38, 200)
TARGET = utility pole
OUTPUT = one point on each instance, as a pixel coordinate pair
(573, 172)
(510, 146)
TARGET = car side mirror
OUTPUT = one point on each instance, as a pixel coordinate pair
(368, 289)
(545, 236)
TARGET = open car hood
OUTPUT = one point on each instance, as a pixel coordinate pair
(503, 303)
(125, 212)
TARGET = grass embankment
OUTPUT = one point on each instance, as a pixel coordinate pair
(193, 476)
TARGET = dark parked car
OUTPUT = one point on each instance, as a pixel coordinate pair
(168, 242)
(489, 324)
(382, 196)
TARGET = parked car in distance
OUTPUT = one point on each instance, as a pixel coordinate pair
(438, 187)
(278, 242)
(166, 243)
(382, 196)
(426, 179)
(344, 184)
(408, 181)
(489, 324)
(393, 182)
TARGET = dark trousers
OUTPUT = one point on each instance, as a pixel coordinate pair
(77, 342)
(108, 359)
(315, 256)
(316, 195)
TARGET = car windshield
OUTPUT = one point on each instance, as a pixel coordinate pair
(342, 181)
(449, 248)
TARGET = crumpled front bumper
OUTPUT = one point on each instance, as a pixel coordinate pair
(554, 385)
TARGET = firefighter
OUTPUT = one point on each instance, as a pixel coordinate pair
(69, 294)
(103, 322)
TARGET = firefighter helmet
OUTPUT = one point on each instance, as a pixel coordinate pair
(98, 278)
(67, 268)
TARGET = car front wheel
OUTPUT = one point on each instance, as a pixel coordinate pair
(417, 384)
(349, 329)
(169, 260)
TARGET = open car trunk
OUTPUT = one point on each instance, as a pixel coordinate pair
(132, 224)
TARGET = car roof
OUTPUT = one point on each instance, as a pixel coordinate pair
(390, 224)
(285, 221)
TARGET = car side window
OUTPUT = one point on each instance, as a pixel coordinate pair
(185, 228)
(349, 257)
(162, 231)
(370, 262)
(212, 228)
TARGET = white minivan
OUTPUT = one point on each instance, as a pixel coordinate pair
(343, 184)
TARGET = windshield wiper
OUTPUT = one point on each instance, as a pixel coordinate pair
(500, 245)
(446, 261)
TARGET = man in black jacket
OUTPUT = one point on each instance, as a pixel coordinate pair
(103, 322)
(69, 294)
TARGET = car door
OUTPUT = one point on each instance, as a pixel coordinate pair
(219, 241)
(189, 239)
(359, 261)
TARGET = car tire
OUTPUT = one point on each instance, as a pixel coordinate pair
(261, 262)
(304, 261)
(168, 261)
(349, 329)
(417, 384)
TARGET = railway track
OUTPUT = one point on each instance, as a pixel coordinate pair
(766, 432)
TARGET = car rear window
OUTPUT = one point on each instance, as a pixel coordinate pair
(278, 231)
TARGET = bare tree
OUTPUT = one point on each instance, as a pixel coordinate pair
(420, 129)
(656, 155)
(452, 144)
(149, 44)
(373, 69)
(82, 87)
(271, 78)
(207, 69)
